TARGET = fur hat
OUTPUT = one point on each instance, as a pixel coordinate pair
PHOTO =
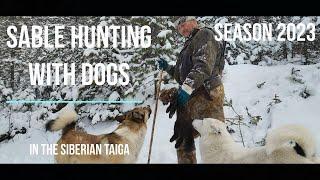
(183, 19)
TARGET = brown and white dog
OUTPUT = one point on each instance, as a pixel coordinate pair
(131, 132)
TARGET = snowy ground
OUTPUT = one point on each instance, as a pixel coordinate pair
(240, 85)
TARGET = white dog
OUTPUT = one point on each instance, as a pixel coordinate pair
(287, 144)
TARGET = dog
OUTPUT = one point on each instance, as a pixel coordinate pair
(285, 145)
(131, 132)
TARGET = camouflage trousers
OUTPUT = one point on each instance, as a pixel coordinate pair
(199, 107)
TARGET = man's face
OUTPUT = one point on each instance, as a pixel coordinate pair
(186, 28)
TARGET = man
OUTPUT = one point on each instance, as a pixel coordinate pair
(200, 95)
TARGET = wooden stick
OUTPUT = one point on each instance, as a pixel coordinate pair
(155, 115)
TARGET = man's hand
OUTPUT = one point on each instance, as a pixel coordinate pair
(163, 64)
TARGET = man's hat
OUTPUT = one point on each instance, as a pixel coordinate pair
(183, 19)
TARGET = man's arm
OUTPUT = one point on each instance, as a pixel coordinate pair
(170, 70)
(203, 56)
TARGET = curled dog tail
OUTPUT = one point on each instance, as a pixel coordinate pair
(66, 117)
(295, 136)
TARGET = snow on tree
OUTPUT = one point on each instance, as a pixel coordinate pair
(166, 43)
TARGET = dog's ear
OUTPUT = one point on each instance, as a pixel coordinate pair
(137, 116)
(120, 118)
(149, 111)
(215, 129)
(299, 150)
(216, 126)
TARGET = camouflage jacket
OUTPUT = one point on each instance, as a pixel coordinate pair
(201, 59)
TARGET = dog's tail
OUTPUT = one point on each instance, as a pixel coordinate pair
(295, 136)
(66, 117)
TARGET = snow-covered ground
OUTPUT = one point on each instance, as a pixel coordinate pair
(240, 83)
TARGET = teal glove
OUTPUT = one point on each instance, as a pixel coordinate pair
(163, 64)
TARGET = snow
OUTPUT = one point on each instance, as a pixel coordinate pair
(114, 96)
(318, 21)
(240, 58)
(167, 45)
(6, 91)
(89, 51)
(241, 86)
(163, 33)
(240, 83)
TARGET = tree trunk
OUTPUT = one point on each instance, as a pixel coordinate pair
(12, 76)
